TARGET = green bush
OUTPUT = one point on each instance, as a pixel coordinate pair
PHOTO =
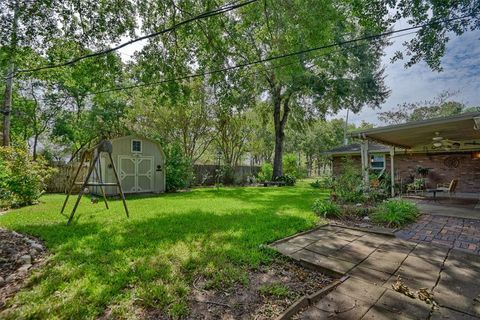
(322, 183)
(316, 184)
(326, 208)
(288, 179)
(348, 187)
(22, 181)
(179, 171)
(290, 165)
(396, 213)
(266, 172)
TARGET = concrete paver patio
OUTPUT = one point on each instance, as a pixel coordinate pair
(373, 263)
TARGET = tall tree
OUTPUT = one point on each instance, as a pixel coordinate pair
(38, 24)
(328, 81)
(429, 43)
(440, 106)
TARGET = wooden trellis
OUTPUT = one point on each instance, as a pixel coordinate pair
(93, 155)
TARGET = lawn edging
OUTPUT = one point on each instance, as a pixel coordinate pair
(383, 232)
(297, 234)
(310, 300)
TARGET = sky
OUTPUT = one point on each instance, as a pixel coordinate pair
(461, 64)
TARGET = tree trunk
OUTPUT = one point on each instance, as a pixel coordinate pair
(7, 101)
(7, 107)
(35, 144)
(280, 122)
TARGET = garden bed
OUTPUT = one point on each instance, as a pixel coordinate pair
(268, 291)
(19, 254)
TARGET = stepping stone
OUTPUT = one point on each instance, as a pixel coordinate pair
(327, 246)
(405, 306)
(449, 314)
(458, 289)
(386, 261)
(360, 290)
(433, 252)
(379, 313)
(337, 306)
(354, 252)
(398, 245)
(323, 262)
(374, 240)
(286, 248)
(417, 273)
(301, 241)
(370, 275)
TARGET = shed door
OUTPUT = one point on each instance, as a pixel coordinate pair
(136, 173)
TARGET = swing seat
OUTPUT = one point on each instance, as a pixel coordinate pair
(98, 184)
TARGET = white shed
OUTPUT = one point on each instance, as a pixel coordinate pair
(140, 164)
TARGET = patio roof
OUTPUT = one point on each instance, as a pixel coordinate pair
(462, 128)
(354, 148)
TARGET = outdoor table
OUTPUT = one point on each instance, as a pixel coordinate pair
(434, 191)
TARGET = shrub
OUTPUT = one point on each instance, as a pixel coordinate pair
(396, 213)
(348, 187)
(288, 179)
(322, 183)
(326, 208)
(265, 173)
(316, 184)
(22, 181)
(179, 171)
(290, 165)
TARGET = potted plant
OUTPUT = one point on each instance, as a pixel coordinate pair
(423, 172)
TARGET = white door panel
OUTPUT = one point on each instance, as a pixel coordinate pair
(136, 173)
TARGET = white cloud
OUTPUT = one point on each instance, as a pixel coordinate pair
(461, 73)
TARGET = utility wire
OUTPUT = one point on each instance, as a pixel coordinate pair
(204, 15)
(285, 64)
(282, 56)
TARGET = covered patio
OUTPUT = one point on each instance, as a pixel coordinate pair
(448, 148)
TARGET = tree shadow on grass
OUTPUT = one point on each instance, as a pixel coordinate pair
(95, 264)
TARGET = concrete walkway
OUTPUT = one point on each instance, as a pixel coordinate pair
(374, 262)
(444, 208)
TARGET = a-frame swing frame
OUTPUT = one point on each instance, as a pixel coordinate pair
(106, 147)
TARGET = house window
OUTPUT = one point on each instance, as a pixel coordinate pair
(136, 146)
(377, 162)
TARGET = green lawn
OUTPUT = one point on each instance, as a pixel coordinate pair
(106, 262)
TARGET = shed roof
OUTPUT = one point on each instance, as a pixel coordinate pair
(461, 127)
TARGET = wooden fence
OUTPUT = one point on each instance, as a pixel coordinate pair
(203, 175)
(61, 180)
(207, 174)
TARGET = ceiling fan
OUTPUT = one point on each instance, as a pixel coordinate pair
(441, 142)
(472, 143)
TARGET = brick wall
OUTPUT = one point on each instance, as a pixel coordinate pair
(467, 172)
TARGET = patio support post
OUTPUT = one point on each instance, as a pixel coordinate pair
(365, 162)
(392, 171)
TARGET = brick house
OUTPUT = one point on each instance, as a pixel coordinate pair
(449, 147)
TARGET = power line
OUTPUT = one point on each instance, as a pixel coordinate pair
(282, 56)
(207, 14)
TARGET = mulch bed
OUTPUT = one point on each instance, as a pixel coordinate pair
(19, 254)
(247, 301)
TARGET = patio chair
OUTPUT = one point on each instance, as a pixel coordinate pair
(449, 188)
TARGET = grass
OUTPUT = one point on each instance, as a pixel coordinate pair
(276, 290)
(396, 213)
(105, 263)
